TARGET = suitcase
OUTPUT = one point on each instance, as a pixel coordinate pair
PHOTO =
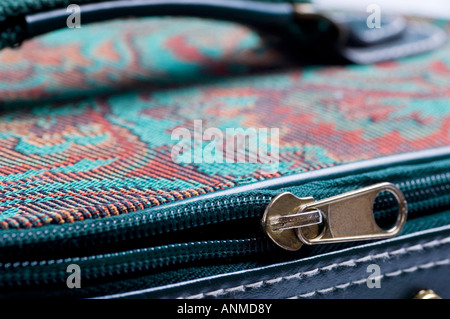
(222, 149)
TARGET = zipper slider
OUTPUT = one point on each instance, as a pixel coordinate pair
(291, 221)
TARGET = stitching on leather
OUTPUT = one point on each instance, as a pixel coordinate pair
(401, 50)
(311, 273)
(364, 280)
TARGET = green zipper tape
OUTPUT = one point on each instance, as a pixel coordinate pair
(425, 186)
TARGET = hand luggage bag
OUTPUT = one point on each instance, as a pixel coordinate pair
(236, 149)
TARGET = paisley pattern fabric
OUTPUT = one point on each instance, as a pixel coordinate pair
(87, 115)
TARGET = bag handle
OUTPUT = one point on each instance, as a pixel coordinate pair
(332, 37)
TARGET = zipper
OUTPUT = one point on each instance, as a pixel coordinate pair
(419, 196)
(430, 189)
(291, 221)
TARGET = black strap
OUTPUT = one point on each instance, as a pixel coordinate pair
(241, 11)
(344, 36)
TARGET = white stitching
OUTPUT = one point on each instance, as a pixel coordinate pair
(427, 265)
(416, 248)
(309, 273)
(295, 276)
(326, 290)
(343, 286)
(394, 273)
(400, 251)
(364, 280)
(274, 281)
(216, 292)
(411, 269)
(330, 267)
(239, 288)
(316, 271)
(198, 296)
(443, 262)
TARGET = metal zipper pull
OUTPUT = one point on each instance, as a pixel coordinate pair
(291, 221)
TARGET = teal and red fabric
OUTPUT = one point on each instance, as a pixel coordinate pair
(86, 115)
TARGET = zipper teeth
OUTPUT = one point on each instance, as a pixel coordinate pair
(203, 217)
(228, 210)
(199, 219)
(161, 256)
(188, 253)
(441, 181)
(432, 191)
(161, 222)
(176, 253)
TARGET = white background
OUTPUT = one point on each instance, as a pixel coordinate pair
(421, 8)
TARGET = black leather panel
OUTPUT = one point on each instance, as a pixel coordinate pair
(407, 264)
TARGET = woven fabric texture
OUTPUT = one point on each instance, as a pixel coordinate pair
(86, 122)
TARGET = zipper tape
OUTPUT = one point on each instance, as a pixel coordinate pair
(427, 192)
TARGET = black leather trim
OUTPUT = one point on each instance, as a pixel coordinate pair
(407, 264)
